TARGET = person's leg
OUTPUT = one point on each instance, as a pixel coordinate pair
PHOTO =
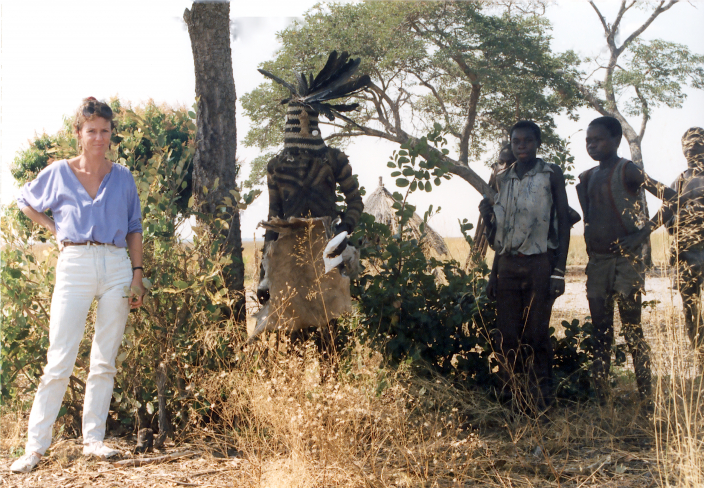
(690, 290)
(537, 350)
(113, 308)
(509, 323)
(602, 312)
(73, 293)
(630, 310)
(697, 336)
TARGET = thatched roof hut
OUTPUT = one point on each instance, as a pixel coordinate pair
(379, 205)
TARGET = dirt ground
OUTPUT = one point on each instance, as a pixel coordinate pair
(66, 467)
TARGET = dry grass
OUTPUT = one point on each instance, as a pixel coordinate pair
(371, 426)
(577, 255)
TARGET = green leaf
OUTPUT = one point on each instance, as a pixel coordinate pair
(402, 182)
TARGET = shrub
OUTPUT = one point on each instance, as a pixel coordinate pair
(418, 308)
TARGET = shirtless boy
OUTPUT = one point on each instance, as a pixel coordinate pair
(530, 216)
(614, 235)
(688, 230)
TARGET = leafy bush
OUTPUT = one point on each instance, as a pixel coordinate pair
(573, 356)
(26, 285)
(416, 307)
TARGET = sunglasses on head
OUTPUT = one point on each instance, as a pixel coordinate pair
(101, 110)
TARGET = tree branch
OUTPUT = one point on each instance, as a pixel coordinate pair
(454, 167)
(345, 135)
(647, 23)
(601, 18)
(469, 124)
(621, 11)
(394, 109)
(441, 102)
(646, 114)
(591, 98)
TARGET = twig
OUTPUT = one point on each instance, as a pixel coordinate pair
(174, 480)
(155, 460)
(210, 471)
(190, 476)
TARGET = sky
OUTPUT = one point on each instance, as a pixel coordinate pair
(54, 53)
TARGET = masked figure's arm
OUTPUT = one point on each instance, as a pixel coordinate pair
(349, 187)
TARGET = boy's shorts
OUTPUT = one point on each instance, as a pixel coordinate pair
(611, 274)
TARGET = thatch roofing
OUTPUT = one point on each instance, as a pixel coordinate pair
(379, 205)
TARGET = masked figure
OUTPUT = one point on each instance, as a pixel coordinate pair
(303, 217)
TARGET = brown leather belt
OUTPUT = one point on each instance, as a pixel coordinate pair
(87, 243)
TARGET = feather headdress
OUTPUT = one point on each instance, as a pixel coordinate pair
(309, 97)
(335, 80)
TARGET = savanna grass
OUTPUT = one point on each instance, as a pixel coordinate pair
(374, 426)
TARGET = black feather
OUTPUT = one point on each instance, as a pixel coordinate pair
(338, 69)
(340, 75)
(302, 84)
(327, 69)
(350, 88)
(323, 108)
(345, 107)
(288, 85)
(342, 87)
(335, 80)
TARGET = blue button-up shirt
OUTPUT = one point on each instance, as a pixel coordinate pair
(114, 213)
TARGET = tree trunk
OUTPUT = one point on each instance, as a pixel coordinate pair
(634, 142)
(214, 164)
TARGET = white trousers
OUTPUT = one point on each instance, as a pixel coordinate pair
(82, 274)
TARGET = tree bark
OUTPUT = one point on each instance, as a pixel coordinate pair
(214, 164)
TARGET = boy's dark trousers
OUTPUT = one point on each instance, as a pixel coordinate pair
(522, 342)
(602, 310)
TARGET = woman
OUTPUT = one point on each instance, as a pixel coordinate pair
(96, 215)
